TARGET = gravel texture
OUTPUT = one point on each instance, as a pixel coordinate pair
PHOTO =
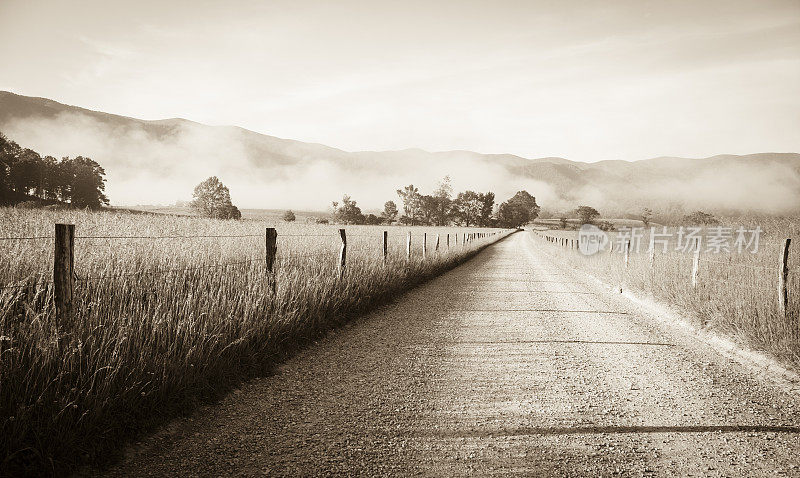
(508, 365)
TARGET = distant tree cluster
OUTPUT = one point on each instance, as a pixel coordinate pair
(700, 218)
(347, 212)
(443, 208)
(213, 199)
(586, 214)
(468, 208)
(24, 174)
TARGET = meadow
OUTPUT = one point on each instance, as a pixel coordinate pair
(736, 293)
(171, 311)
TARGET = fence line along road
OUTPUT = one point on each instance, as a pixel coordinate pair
(65, 276)
(783, 270)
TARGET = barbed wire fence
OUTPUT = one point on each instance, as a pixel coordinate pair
(780, 273)
(65, 275)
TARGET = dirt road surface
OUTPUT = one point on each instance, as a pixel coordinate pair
(508, 365)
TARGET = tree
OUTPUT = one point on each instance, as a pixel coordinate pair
(347, 212)
(700, 218)
(288, 216)
(372, 220)
(231, 212)
(213, 199)
(389, 213)
(428, 209)
(9, 151)
(51, 183)
(444, 189)
(411, 203)
(442, 202)
(647, 214)
(487, 207)
(85, 182)
(520, 209)
(524, 199)
(512, 215)
(467, 208)
(586, 214)
(25, 171)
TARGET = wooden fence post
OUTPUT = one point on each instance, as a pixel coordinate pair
(385, 245)
(64, 272)
(783, 273)
(627, 251)
(437, 242)
(271, 238)
(448, 241)
(342, 253)
(464, 241)
(696, 262)
(424, 245)
(408, 246)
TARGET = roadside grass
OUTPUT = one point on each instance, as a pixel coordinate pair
(736, 294)
(162, 324)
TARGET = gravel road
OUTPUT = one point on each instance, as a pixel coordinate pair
(508, 365)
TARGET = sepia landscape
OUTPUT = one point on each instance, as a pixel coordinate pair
(447, 239)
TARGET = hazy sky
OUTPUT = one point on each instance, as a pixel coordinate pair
(579, 79)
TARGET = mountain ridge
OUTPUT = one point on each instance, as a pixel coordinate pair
(137, 152)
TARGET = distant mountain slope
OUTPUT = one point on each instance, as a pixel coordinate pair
(160, 162)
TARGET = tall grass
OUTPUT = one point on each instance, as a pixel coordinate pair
(163, 323)
(737, 293)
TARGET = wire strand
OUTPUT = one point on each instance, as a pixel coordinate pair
(735, 264)
(165, 271)
(23, 286)
(169, 237)
(31, 238)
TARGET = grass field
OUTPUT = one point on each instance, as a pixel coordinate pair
(268, 215)
(736, 293)
(165, 318)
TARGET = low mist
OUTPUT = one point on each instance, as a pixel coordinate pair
(160, 162)
(161, 165)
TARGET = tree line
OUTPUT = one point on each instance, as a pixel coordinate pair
(26, 175)
(443, 208)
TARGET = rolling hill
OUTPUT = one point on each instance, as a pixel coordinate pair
(160, 161)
